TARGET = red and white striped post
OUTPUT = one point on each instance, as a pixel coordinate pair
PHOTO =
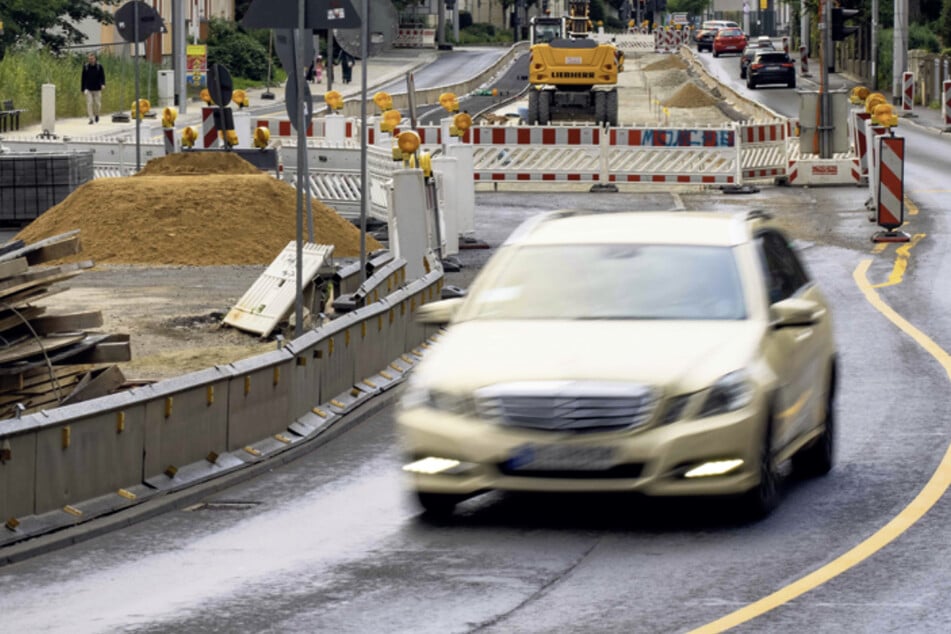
(804, 62)
(890, 212)
(209, 131)
(786, 45)
(907, 93)
(168, 135)
(946, 104)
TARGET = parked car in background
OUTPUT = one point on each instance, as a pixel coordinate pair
(771, 67)
(671, 354)
(751, 48)
(708, 30)
(728, 40)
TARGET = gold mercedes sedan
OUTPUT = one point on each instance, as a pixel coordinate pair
(666, 353)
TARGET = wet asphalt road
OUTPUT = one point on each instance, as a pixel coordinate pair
(331, 542)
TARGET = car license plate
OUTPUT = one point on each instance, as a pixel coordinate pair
(773, 67)
(562, 457)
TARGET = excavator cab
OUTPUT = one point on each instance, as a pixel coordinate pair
(546, 29)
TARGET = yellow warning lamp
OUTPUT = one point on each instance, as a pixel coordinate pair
(408, 142)
(334, 100)
(460, 124)
(884, 116)
(262, 136)
(143, 107)
(426, 164)
(230, 137)
(495, 93)
(858, 94)
(169, 115)
(189, 136)
(448, 101)
(873, 100)
(391, 119)
(383, 101)
(205, 96)
(240, 98)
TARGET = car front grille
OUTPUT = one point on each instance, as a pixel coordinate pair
(622, 471)
(568, 406)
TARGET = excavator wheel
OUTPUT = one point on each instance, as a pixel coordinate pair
(612, 108)
(532, 106)
(544, 107)
(600, 107)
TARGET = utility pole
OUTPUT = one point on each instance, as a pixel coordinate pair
(899, 48)
(825, 101)
(874, 45)
(178, 55)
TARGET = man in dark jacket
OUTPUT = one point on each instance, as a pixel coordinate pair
(93, 81)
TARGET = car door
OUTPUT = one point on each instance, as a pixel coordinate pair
(799, 360)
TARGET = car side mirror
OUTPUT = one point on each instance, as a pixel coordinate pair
(795, 312)
(440, 312)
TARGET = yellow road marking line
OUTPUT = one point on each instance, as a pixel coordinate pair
(902, 254)
(912, 207)
(929, 495)
(879, 247)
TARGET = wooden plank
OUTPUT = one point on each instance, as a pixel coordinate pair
(31, 295)
(67, 323)
(29, 248)
(10, 268)
(54, 251)
(60, 389)
(101, 382)
(32, 347)
(32, 279)
(114, 350)
(10, 320)
(38, 376)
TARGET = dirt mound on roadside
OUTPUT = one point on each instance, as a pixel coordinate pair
(690, 95)
(163, 217)
(668, 62)
(198, 163)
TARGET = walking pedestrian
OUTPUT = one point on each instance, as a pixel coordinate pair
(93, 81)
(346, 63)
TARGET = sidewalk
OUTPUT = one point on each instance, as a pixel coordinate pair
(381, 69)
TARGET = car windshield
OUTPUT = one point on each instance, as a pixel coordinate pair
(610, 281)
(729, 33)
(547, 32)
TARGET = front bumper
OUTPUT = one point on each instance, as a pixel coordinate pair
(651, 461)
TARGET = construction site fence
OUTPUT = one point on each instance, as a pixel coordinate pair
(67, 465)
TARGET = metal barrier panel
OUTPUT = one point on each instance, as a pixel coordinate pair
(339, 361)
(763, 149)
(259, 398)
(305, 380)
(672, 155)
(17, 473)
(88, 457)
(185, 419)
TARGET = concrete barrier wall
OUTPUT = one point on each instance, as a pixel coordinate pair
(430, 96)
(70, 455)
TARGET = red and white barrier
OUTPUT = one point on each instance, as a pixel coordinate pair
(168, 136)
(946, 103)
(209, 132)
(804, 62)
(860, 140)
(890, 210)
(907, 91)
(319, 127)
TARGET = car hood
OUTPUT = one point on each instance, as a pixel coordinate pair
(690, 354)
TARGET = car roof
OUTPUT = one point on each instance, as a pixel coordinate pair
(707, 228)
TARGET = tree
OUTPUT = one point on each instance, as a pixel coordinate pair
(946, 24)
(51, 22)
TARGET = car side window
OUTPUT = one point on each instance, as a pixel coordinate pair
(782, 269)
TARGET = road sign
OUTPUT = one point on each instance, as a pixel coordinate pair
(284, 14)
(285, 45)
(220, 86)
(150, 22)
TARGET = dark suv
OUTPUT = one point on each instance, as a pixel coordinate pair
(753, 47)
(771, 67)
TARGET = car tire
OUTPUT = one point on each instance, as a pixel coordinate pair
(750, 83)
(818, 458)
(715, 54)
(792, 83)
(438, 504)
(762, 499)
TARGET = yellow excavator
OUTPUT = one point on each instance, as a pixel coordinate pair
(572, 76)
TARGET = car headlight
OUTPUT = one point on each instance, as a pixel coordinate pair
(730, 393)
(453, 403)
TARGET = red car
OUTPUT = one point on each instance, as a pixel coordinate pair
(729, 41)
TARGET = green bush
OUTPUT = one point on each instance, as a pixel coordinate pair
(484, 33)
(465, 19)
(885, 57)
(921, 36)
(243, 54)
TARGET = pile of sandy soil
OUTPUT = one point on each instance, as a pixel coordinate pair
(690, 95)
(668, 62)
(190, 209)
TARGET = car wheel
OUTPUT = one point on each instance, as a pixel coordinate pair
(764, 497)
(750, 83)
(438, 504)
(817, 459)
(715, 54)
(792, 83)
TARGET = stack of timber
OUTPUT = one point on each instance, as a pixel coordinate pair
(47, 360)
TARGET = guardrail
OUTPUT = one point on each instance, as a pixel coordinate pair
(64, 466)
